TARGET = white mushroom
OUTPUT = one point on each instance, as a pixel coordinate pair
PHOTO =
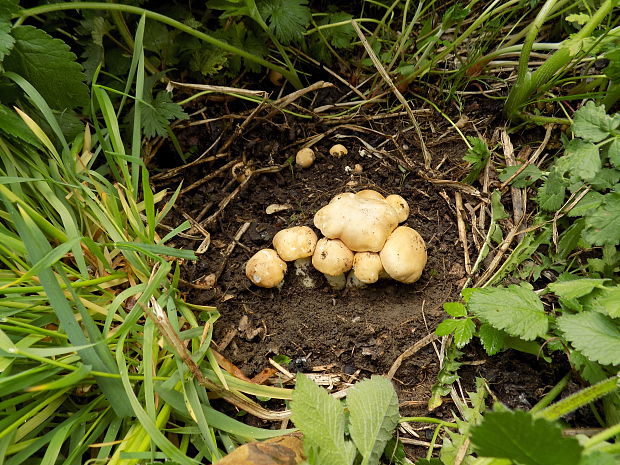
(297, 243)
(367, 267)
(305, 158)
(338, 151)
(265, 268)
(332, 258)
(362, 224)
(369, 194)
(404, 255)
(400, 205)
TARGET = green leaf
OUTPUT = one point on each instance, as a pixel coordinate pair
(339, 36)
(606, 301)
(603, 224)
(463, 330)
(516, 310)
(592, 123)
(551, 194)
(50, 66)
(477, 156)
(593, 334)
(581, 159)
(455, 309)
(590, 202)
(526, 178)
(13, 126)
(492, 339)
(320, 418)
(287, 19)
(575, 287)
(524, 440)
(570, 238)
(613, 152)
(155, 118)
(7, 9)
(373, 416)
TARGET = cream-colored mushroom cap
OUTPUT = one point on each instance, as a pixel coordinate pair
(338, 151)
(400, 205)
(332, 257)
(265, 268)
(294, 243)
(305, 157)
(369, 194)
(367, 267)
(362, 224)
(404, 255)
(347, 195)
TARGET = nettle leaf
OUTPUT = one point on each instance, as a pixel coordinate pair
(518, 436)
(373, 416)
(575, 287)
(50, 66)
(581, 159)
(514, 309)
(595, 335)
(603, 224)
(592, 123)
(320, 417)
(287, 19)
(463, 330)
(492, 339)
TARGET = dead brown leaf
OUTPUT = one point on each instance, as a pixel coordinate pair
(283, 450)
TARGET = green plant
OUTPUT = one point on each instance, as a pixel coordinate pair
(100, 357)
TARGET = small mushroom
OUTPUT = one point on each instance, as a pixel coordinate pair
(369, 194)
(367, 267)
(276, 78)
(240, 171)
(362, 224)
(338, 151)
(295, 243)
(404, 255)
(265, 268)
(305, 157)
(333, 259)
(358, 168)
(400, 205)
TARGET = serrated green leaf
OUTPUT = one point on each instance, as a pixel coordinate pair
(526, 178)
(320, 417)
(606, 301)
(595, 335)
(521, 438)
(613, 152)
(478, 156)
(463, 330)
(287, 19)
(455, 309)
(592, 123)
(13, 126)
(338, 36)
(603, 224)
(552, 192)
(516, 310)
(591, 201)
(6, 39)
(578, 18)
(492, 339)
(581, 160)
(155, 118)
(373, 416)
(575, 287)
(49, 65)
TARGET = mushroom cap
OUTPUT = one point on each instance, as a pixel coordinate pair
(338, 151)
(362, 224)
(332, 257)
(367, 266)
(305, 157)
(404, 255)
(347, 195)
(369, 194)
(265, 268)
(399, 204)
(296, 242)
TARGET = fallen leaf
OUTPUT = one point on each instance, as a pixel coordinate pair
(276, 207)
(283, 450)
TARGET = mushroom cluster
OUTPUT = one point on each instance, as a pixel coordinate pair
(361, 233)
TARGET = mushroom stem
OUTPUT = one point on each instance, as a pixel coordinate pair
(301, 269)
(353, 282)
(337, 282)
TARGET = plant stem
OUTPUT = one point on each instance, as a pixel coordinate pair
(289, 74)
(579, 399)
(551, 395)
(435, 421)
(602, 436)
(527, 85)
